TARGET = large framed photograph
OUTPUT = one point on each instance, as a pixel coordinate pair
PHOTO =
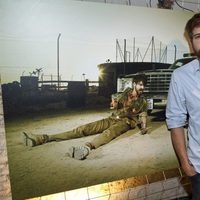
(60, 64)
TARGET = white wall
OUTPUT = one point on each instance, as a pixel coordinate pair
(29, 31)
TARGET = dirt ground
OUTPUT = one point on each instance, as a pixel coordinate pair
(46, 169)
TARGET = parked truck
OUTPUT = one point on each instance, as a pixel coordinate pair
(158, 81)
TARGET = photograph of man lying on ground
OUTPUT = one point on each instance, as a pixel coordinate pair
(67, 125)
(131, 111)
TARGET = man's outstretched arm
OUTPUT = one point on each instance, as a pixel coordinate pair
(179, 144)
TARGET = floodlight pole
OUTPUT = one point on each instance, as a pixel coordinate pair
(175, 50)
(58, 61)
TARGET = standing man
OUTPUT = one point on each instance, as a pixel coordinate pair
(184, 107)
(131, 111)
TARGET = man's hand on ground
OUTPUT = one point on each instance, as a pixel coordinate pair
(144, 130)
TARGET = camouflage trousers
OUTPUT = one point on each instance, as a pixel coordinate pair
(109, 128)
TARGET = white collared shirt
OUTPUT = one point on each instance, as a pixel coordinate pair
(183, 101)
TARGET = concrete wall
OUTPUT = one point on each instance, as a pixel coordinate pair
(5, 189)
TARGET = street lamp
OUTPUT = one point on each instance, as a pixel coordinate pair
(58, 60)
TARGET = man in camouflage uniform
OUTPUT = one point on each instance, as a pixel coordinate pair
(130, 111)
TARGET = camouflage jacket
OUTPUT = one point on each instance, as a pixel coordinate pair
(121, 98)
(132, 110)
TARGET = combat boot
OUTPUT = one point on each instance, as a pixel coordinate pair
(32, 140)
(79, 152)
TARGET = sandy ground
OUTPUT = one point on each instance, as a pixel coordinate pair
(47, 169)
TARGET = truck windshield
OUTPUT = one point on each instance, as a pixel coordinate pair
(180, 62)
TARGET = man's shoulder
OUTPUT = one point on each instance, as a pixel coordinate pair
(125, 93)
(187, 68)
(127, 90)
